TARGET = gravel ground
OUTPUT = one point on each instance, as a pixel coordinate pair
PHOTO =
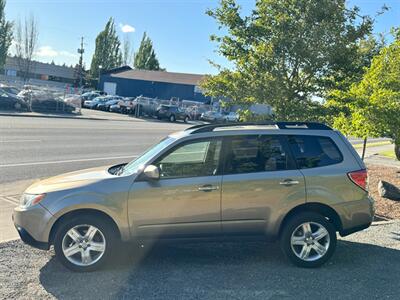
(366, 265)
(384, 207)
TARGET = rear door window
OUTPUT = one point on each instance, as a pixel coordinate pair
(250, 154)
(314, 151)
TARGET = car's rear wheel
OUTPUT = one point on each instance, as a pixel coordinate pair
(308, 240)
(84, 243)
(186, 120)
(172, 118)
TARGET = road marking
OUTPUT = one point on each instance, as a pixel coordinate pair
(9, 201)
(64, 161)
(19, 141)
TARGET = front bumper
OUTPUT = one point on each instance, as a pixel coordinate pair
(33, 225)
(28, 239)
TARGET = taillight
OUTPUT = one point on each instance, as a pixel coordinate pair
(360, 178)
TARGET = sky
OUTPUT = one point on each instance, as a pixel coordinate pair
(180, 29)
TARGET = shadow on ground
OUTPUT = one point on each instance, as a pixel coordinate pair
(253, 270)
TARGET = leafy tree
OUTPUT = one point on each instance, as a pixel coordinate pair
(5, 34)
(371, 108)
(107, 53)
(288, 52)
(145, 57)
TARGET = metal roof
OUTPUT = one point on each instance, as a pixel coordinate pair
(160, 76)
(42, 68)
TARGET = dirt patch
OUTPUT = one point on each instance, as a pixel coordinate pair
(385, 208)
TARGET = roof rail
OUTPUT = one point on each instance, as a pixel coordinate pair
(281, 125)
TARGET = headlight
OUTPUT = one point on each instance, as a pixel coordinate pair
(30, 199)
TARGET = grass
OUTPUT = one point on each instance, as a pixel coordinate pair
(388, 153)
(374, 144)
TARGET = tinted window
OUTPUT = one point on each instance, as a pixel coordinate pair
(194, 159)
(314, 151)
(256, 154)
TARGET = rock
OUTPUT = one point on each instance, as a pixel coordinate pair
(388, 190)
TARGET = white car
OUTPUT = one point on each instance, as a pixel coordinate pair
(231, 117)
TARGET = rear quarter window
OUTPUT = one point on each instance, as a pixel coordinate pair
(314, 151)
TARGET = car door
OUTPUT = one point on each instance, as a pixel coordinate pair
(260, 181)
(186, 200)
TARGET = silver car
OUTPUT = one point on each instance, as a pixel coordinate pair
(299, 183)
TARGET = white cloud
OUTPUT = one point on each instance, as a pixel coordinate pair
(46, 51)
(126, 28)
(49, 52)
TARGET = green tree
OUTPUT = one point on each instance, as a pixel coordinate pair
(5, 34)
(146, 58)
(371, 108)
(107, 53)
(287, 53)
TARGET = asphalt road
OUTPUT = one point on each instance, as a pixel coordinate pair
(32, 148)
(365, 266)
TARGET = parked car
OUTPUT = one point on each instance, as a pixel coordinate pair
(106, 105)
(122, 105)
(172, 113)
(92, 104)
(231, 117)
(195, 112)
(299, 183)
(89, 96)
(212, 116)
(9, 89)
(11, 101)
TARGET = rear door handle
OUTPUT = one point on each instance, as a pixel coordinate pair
(289, 182)
(207, 188)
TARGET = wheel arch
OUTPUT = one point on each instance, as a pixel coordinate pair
(322, 209)
(85, 211)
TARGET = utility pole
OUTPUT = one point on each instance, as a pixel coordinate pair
(81, 50)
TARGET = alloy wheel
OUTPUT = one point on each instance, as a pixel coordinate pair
(310, 241)
(83, 245)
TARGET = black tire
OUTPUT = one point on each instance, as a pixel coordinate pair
(187, 119)
(172, 118)
(290, 227)
(102, 224)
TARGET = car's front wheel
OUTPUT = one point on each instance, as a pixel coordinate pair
(308, 239)
(84, 243)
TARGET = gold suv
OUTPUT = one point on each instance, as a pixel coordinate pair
(296, 182)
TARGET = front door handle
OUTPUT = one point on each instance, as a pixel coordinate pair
(288, 182)
(207, 188)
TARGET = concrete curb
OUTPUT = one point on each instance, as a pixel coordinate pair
(66, 117)
(50, 117)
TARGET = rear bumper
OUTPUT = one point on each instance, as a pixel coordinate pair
(354, 229)
(356, 215)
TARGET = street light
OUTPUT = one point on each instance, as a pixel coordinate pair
(98, 84)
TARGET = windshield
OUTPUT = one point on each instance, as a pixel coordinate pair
(139, 162)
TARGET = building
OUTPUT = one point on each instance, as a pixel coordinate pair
(40, 72)
(127, 82)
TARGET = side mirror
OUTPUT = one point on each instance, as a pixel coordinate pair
(152, 172)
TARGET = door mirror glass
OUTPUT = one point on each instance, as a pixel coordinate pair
(152, 172)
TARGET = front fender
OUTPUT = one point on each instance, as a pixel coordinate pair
(115, 207)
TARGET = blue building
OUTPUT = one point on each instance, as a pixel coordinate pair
(128, 82)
